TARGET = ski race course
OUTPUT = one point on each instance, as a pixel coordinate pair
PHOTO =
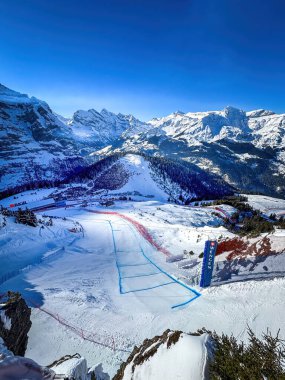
(133, 252)
(136, 270)
(100, 281)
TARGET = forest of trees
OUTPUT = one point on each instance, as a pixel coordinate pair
(191, 178)
(260, 358)
(23, 216)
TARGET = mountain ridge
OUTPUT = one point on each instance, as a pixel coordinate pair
(38, 144)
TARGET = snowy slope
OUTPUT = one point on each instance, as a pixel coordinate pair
(130, 175)
(81, 284)
(268, 205)
(140, 179)
(141, 176)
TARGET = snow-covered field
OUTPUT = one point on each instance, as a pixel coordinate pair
(268, 205)
(72, 280)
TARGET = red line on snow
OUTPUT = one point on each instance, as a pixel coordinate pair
(139, 227)
(108, 342)
(222, 212)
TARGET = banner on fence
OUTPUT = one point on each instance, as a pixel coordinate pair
(208, 263)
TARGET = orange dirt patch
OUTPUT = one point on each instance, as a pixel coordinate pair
(239, 247)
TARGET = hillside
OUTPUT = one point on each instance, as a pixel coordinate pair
(35, 144)
(143, 177)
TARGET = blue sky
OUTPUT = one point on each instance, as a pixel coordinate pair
(148, 58)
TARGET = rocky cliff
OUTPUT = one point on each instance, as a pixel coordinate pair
(15, 322)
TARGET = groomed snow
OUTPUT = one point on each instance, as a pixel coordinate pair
(268, 205)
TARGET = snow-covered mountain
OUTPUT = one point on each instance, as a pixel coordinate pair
(103, 128)
(203, 126)
(263, 128)
(247, 149)
(35, 144)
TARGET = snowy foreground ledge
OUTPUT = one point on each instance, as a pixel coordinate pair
(173, 355)
(17, 367)
(21, 368)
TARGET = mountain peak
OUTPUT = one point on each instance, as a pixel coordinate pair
(230, 110)
(3, 88)
(259, 113)
(7, 92)
(179, 113)
(104, 111)
(236, 117)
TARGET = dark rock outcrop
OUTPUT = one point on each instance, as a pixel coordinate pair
(18, 314)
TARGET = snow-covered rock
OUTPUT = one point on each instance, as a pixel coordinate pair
(17, 367)
(173, 355)
(35, 144)
(74, 368)
(99, 373)
(5, 320)
(15, 323)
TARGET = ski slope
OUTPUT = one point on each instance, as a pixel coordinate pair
(76, 295)
(137, 270)
(141, 183)
(268, 205)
